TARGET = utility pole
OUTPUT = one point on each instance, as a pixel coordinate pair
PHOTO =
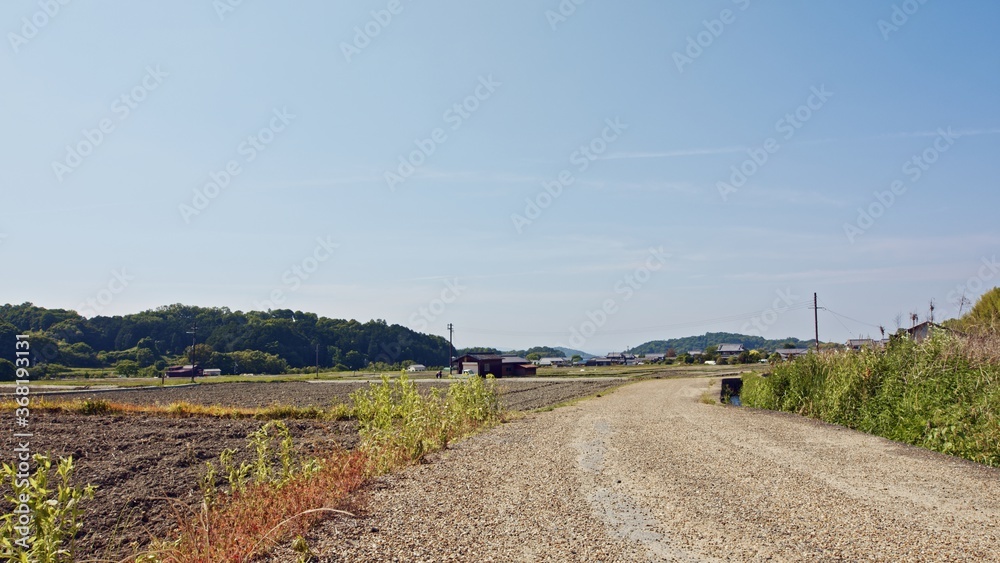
(816, 319)
(194, 332)
(451, 348)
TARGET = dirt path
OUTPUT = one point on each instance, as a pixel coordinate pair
(648, 473)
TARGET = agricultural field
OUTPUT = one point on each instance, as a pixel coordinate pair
(147, 465)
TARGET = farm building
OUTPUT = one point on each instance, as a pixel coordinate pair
(492, 364)
(212, 371)
(479, 364)
(790, 353)
(417, 367)
(554, 362)
(730, 350)
(514, 366)
(595, 361)
(859, 343)
(923, 330)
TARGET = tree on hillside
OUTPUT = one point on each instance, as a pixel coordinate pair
(984, 315)
(202, 353)
(7, 370)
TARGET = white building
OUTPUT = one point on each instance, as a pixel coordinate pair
(417, 367)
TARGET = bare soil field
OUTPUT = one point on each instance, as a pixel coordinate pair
(140, 461)
(518, 394)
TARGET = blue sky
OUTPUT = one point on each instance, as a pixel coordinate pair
(638, 116)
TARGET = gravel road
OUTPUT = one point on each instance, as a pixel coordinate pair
(649, 473)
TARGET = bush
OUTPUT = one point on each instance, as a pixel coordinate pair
(55, 508)
(399, 425)
(941, 394)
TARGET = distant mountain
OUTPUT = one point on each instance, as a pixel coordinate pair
(569, 353)
(681, 345)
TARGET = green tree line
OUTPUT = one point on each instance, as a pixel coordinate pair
(251, 342)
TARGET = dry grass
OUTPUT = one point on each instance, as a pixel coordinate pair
(185, 410)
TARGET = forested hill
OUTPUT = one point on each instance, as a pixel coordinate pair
(225, 339)
(681, 345)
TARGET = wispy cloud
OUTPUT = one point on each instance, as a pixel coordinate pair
(678, 153)
(936, 132)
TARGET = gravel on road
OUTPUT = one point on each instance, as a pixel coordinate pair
(650, 473)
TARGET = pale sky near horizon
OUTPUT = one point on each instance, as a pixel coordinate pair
(638, 116)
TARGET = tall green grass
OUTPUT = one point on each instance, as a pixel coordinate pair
(942, 394)
(399, 425)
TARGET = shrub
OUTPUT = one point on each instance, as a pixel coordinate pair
(942, 394)
(55, 509)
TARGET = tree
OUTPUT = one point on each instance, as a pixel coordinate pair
(127, 368)
(533, 357)
(202, 353)
(576, 358)
(7, 370)
(755, 356)
(774, 358)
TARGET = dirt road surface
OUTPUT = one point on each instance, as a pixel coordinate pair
(649, 473)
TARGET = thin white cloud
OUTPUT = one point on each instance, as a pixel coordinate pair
(936, 132)
(679, 153)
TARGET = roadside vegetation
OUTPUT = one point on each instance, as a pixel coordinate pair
(942, 394)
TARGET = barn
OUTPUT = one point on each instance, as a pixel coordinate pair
(498, 366)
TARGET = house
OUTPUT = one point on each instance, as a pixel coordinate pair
(417, 367)
(514, 366)
(791, 353)
(479, 364)
(211, 371)
(859, 343)
(695, 353)
(923, 330)
(730, 350)
(650, 358)
(554, 362)
(596, 361)
(621, 359)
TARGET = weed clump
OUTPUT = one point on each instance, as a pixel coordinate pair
(54, 511)
(942, 394)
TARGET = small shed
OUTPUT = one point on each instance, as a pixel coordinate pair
(514, 366)
(417, 367)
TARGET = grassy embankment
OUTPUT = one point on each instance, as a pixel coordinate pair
(942, 394)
